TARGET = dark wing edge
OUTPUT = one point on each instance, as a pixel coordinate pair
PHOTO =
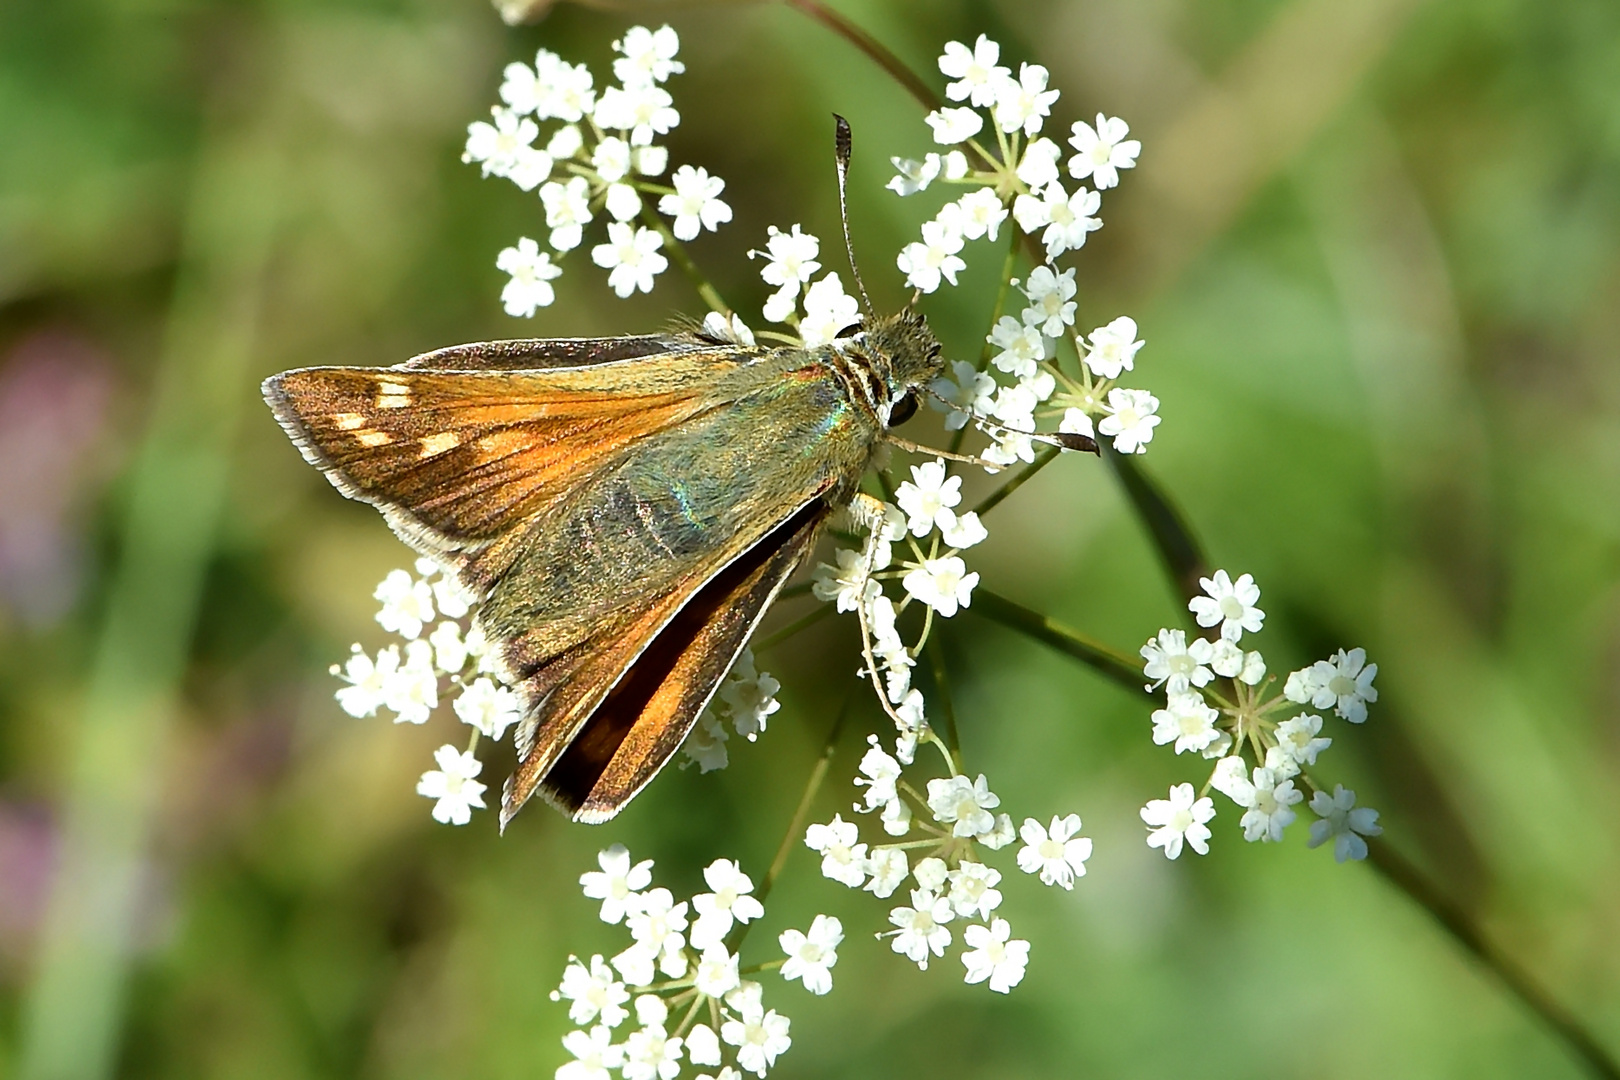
(530, 354)
(592, 771)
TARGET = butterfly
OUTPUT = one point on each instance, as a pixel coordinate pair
(625, 509)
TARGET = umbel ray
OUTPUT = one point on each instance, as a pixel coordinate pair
(625, 509)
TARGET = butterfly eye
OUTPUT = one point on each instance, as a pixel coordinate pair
(904, 409)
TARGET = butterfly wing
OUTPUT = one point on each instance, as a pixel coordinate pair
(455, 456)
(635, 729)
(626, 517)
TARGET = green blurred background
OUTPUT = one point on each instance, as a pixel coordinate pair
(1372, 248)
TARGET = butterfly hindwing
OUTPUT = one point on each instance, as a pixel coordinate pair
(642, 720)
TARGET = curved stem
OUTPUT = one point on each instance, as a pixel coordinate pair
(1178, 548)
(872, 47)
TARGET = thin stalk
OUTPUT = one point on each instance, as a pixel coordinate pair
(1044, 457)
(1179, 550)
(1395, 869)
(877, 51)
(795, 829)
(1121, 668)
(677, 252)
(821, 612)
(1008, 265)
(947, 711)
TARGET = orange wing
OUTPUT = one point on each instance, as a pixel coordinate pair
(455, 459)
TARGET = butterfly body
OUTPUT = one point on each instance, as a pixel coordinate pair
(624, 508)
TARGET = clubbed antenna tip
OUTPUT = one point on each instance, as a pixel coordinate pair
(841, 147)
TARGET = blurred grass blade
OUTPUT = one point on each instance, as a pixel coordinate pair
(72, 1015)
(1122, 669)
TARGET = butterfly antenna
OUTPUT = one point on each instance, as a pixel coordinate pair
(841, 147)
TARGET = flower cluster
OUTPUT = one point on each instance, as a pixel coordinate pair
(1021, 177)
(680, 976)
(452, 661)
(1216, 705)
(409, 679)
(602, 158)
(748, 699)
(950, 822)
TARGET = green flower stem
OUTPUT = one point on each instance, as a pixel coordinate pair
(1121, 668)
(1395, 869)
(879, 53)
(795, 828)
(821, 612)
(947, 711)
(677, 252)
(1179, 550)
(1044, 457)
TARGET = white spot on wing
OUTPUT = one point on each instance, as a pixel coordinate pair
(373, 438)
(437, 444)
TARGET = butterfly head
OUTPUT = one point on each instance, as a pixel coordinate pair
(909, 347)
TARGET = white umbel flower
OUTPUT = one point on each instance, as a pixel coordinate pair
(1057, 853)
(811, 955)
(1103, 150)
(952, 126)
(1132, 416)
(568, 211)
(842, 859)
(759, 1038)
(695, 205)
(406, 604)
(1025, 102)
(828, 309)
(922, 928)
(729, 903)
(497, 147)
(532, 272)
(943, 584)
(1113, 348)
(975, 72)
(618, 883)
(489, 708)
(1175, 662)
(1179, 820)
(647, 56)
(453, 785)
(963, 804)
(595, 1055)
(631, 257)
(992, 956)
(592, 992)
(1188, 722)
(929, 497)
(1343, 822)
(935, 257)
(1229, 604)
